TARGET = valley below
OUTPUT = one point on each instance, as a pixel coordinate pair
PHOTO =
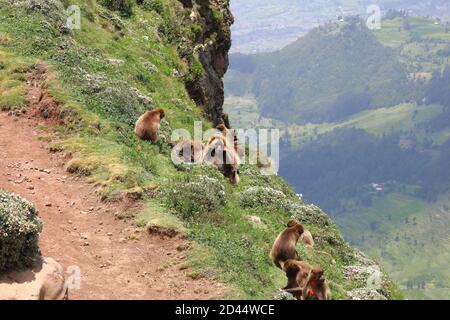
(364, 117)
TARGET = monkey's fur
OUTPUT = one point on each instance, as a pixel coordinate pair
(316, 287)
(230, 168)
(189, 151)
(297, 274)
(147, 126)
(284, 246)
(219, 153)
(305, 282)
(307, 238)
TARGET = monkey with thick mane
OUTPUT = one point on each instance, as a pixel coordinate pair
(147, 126)
(230, 168)
(305, 282)
(219, 153)
(284, 246)
(227, 137)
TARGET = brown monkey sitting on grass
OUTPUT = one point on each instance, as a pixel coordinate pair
(223, 157)
(284, 246)
(148, 124)
(297, 273)
(316, 286)
(306, 283)
(230, 168)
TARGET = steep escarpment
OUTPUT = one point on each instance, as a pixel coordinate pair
(210, 21)
(124, 60)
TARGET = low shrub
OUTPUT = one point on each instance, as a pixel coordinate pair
(19, 233)
(155, 5)
(124, 7)
(263, 196)
(200, 195)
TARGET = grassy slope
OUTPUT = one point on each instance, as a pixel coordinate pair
(98, 132)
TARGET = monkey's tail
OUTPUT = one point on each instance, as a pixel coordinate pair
(327, 254)
(293, 290)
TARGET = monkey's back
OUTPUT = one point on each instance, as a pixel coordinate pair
(147, 125)
(283, 248)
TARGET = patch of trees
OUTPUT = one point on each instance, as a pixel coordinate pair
(339, 165)
(327, 75)
(439, 88)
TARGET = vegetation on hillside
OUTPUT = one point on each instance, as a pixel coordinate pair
(19, 233)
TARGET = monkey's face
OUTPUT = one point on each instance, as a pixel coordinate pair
(221, 128)
(297, 226)
(292, 223)
(318, 274)
(235, 176)
(162, 114)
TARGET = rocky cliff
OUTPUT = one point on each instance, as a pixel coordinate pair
(212, 19)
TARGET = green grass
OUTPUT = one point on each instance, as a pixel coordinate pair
(394, 34)
(397, 224)
(243, 112)
(100, 108)
(12, 93)
(401, 118)
(418, 45)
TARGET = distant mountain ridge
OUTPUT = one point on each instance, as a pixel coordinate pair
(269, 25)
(331, 73)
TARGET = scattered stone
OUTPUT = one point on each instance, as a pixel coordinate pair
(365, 294)
(254, 219)
(48, 204)
(183, 247)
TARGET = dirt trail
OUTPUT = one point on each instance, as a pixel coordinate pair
(80, 230)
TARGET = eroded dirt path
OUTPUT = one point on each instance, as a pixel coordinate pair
(116, 260)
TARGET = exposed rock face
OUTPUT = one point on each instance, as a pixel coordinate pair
(212, 47)
(44, 282)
